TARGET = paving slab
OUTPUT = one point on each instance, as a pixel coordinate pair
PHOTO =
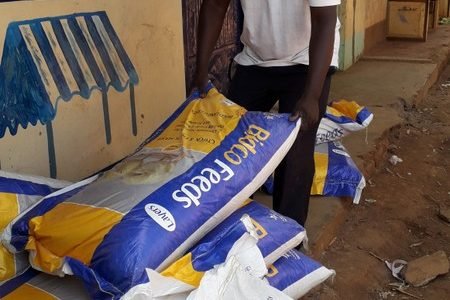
(435, 48)
(326, 216)
(382, 83)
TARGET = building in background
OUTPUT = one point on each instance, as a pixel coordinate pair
(160, 39)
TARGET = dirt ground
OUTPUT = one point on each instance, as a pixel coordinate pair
(398, 214)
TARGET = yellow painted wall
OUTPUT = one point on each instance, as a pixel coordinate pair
(346, 16)
(352, 16)
(359, 28)
(151, 33)
(376, 11)
(443, 8)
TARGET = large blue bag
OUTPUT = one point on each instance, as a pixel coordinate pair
(201, 165)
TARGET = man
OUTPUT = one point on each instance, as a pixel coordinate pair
(289, 46)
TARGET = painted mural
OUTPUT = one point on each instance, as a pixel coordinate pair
(46, 60)
(112, 72)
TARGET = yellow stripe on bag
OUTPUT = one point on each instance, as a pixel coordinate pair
(202, 125)
(248, 201)
(51, 242)
(260, 231)
(271, 271)
(9, 209)
(347, 108)
(27, 292)
(321, 163)
(7, 265)
(183, 270)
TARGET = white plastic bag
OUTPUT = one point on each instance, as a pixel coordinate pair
(231, 281)
(239, 277)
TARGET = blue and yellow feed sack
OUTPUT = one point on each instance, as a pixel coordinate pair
(201, 165)
(336, 173)
(341, 118)
(17, 194)
(296, 274)
(276, 235)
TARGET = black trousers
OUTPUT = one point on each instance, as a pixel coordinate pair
(258, 89)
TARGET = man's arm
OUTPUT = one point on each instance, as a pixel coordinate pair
(212, 14)
(323, 26)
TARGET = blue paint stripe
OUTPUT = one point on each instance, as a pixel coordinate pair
(133, 110)
(51, 150)
(33, 102)
(119, 48)
(51, 61)
(106, 117)
(19, 186)
(115, 82)
(70, 58)
(87, 53)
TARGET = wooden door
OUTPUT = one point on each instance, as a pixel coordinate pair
(227, 46)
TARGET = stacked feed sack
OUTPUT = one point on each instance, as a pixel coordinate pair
(336, 174)
(17, 194)
(199, 167)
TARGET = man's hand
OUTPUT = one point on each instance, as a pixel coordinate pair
(323, 24)
(200, 83)
(306, 108)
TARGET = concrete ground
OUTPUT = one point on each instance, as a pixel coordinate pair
(389, 79)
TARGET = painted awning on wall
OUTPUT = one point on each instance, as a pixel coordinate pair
(49, 59)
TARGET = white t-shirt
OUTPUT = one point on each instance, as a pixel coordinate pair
(277, 32)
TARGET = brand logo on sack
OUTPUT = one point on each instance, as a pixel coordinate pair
(328, 135)
(191, 192)
(161, 216)
(341, 152)
(247, 144)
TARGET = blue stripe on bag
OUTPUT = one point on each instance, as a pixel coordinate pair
(279, 229)
(19, 186)
(343, 175)
(291, 268)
